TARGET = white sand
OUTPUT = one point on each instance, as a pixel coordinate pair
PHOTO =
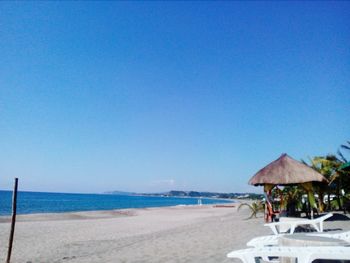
(173, 234)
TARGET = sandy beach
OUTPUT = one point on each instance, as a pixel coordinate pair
(170, 234)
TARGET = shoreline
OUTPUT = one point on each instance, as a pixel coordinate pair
(99, 214)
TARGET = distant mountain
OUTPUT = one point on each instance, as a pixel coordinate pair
(177, 193)
(120, 193)
(214, 194)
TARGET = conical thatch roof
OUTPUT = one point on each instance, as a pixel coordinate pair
(286, 170)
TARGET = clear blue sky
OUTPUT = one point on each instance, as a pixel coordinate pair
(153, 96)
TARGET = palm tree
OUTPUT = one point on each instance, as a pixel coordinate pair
(343, 174)
(292, 199)
(255, 208)
(341, 155)
(346, 147)
(321, 189)
(329, 167)
(325, 165)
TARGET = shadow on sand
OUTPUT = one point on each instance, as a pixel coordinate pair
(338, 217)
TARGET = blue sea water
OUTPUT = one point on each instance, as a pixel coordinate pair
(39, 202)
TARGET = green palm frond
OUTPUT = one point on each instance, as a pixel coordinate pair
(255, 208)
(342, 157)
(346, 147)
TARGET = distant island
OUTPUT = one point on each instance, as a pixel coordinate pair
(176, 193)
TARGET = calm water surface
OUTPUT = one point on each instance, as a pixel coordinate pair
(38, 202)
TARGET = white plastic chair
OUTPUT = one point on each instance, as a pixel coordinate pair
(317, 223)
(272, 240)
(302, 254)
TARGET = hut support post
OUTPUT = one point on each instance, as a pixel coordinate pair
(267, 190)
(13, 220)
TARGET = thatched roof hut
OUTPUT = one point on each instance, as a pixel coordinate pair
(285, 170)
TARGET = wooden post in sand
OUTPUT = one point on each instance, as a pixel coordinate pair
(13, 220)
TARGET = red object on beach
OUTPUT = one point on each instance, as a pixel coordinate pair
(271, 214)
